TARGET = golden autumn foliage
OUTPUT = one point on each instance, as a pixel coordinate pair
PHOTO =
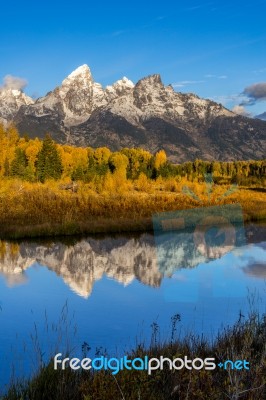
(160, 159)
(56, 208)
(103, 191)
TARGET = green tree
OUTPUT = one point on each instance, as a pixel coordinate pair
(48, 164)
(6, 167)
(78, 174)
(19, 164)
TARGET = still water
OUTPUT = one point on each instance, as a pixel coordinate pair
(109, 291)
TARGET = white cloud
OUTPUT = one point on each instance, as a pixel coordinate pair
(185, 83)
(240, 110)
(259, 71)
(215, 76)
(225, 99)
(13, 82)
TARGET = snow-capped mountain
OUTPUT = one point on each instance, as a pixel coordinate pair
(148, 114)
(10, 102)
(76, 98)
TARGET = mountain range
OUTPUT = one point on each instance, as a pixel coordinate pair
(122, 259)
(147, 114)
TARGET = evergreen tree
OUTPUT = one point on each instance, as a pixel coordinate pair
(19, 164)
(29, 173)
(78, 174)
(6, 167)
(48, 164)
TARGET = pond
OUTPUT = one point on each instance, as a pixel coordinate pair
(112, 293)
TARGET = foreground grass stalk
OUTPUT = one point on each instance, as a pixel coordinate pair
(245, 340)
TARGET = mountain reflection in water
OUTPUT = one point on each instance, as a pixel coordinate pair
(121, 258)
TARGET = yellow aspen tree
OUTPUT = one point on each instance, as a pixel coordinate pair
(160, 159)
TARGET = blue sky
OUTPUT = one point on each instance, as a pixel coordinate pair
(212, 48)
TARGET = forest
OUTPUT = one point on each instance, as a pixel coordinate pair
(48, 188)
(35, 160)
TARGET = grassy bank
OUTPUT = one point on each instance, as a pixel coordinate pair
(244, 341)
(35, 209)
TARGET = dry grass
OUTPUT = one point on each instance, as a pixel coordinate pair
(244, 341)
(29, 210)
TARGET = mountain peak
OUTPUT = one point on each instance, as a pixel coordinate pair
(10, 102)
(125, 82)
(154, 79)
(82, 70)
(75, 95)
(119, 88)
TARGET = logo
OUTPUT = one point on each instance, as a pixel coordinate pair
(145, 364)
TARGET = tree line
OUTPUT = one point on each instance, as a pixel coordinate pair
(38, 160)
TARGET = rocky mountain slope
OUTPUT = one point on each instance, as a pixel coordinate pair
(10, 102)
(148, 114)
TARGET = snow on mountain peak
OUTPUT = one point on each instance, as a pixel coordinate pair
(119, 88)
(10, 102)
(82, 70)
(126, 82)
(16, 92)
(76, 93)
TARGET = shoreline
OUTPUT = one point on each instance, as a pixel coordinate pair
(47, 211)
(92, 227)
